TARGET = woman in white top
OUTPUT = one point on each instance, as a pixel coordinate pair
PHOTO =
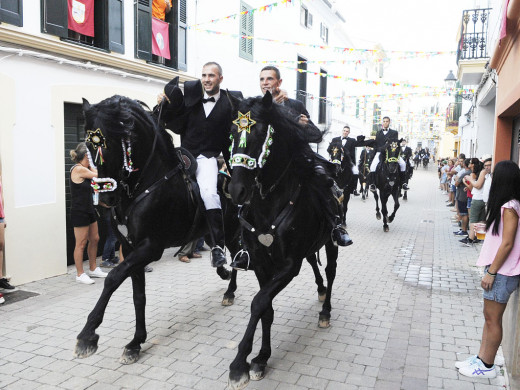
(478, 204)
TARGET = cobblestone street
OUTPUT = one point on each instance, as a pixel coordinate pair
(406, 305)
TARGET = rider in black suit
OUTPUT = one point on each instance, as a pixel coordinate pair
(202, 116)
(406, 154)
(349, 145)
(384, 135)
(270, 80)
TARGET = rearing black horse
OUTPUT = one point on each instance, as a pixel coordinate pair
(388, 181)
(285, 220)
(153, 204)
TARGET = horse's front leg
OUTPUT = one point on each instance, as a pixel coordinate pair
(145, 252)
(322, 290)
(384, 210)
(229, 295)
(376, 197)
(396, 206)
(131, 352)
(330, 271)
(262, 303)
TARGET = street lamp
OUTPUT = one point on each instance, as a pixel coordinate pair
(450, 82)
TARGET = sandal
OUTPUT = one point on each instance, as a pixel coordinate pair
(184, 259)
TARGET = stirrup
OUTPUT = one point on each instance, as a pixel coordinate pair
(238, 262)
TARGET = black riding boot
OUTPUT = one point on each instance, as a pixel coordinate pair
(404, 181)
(339, 234)
(216, 232)
(372, 181)
(354, 185)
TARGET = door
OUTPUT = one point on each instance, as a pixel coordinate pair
(74, 134)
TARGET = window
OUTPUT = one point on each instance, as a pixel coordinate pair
(108, 24)
(324, 33)
(305, 17)
(301, 81)
(176, 34)
(11, 12)
(246, 28)
(322, 115)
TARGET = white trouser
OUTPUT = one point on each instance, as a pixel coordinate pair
(355, 169)
(207, 175)
(375, 161)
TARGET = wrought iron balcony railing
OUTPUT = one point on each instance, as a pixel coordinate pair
(473, 39)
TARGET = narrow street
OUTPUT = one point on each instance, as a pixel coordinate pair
(406, 305)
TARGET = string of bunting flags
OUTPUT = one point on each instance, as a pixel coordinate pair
(264, 8)
(358, 60)
(338, 49)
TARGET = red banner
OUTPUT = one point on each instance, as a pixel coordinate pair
(81, 16)
(160, 38)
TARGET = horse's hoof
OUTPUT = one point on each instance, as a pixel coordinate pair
(378, 216)
(228, 301)
(323, 322)
(257, 371)
(129, 356)
(86, 348)
(405, 197)
(239, 383)
(385, 229)
(321, 297)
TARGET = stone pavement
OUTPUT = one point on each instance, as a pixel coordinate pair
(406, 305)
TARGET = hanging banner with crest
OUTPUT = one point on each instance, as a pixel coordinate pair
(160, 38)
(81, 16)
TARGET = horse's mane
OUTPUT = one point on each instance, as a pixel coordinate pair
(123, 116)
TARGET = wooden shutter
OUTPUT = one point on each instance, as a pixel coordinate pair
(143, 29)
(246, 28)
(116, 30)
(178, 36)
(11, 12)
(54, 17)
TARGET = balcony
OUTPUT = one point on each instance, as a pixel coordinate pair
(452, 117)
(472, 51)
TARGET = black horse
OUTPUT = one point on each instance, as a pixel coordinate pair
(388, 181)
(285, 218)
(344, 176)
(154, 205)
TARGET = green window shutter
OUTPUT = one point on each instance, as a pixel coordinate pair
(54, 17)
(143, 29)
(246, 46)
(116, 30)
(11, 12)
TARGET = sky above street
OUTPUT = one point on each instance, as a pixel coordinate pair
(416, 25)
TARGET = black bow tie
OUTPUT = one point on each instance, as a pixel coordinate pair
(210, 99)
(344, 138)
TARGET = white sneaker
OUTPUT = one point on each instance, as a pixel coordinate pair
(499, 361)
(97, 273)
(84, 278)
(478, 370)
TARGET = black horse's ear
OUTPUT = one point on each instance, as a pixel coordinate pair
(267, 100)
(86, 104)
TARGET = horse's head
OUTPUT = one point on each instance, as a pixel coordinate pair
(391, 161)
(252, 137)
(109, 140)
(336, 155)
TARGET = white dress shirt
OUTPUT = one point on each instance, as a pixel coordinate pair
(208, 106)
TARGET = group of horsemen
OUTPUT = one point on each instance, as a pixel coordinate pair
(202, 115)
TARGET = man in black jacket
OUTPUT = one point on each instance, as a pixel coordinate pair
(270, 80)
(406, 154)
(202, 116)
(349, 145)
(384, 135)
